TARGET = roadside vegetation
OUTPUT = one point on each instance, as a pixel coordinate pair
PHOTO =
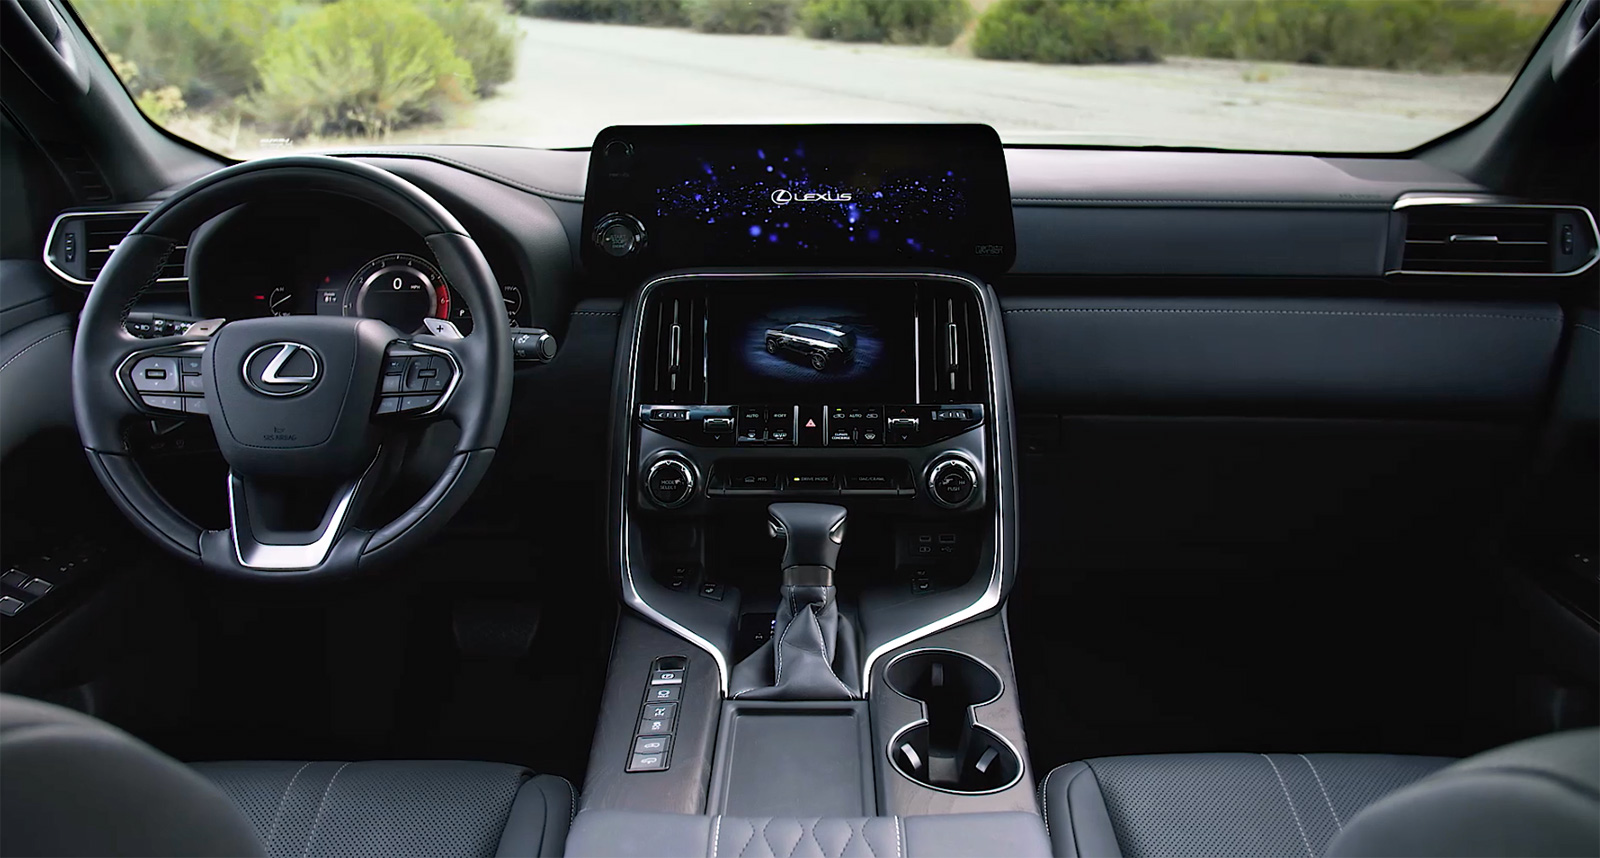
(224, 72)
(219, 70)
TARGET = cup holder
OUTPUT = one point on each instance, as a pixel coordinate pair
(948, 750)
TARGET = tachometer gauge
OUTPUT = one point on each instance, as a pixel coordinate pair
(399, 288)
(280, 301)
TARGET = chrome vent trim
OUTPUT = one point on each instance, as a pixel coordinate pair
(1412, 202)
(101, 253)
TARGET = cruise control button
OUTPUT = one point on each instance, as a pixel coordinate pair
(395, 365)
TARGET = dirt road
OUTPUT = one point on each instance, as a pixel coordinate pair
(574, 79)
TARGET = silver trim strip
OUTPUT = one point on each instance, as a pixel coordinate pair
(988, 600)
(50, 239)
(1407, 201)
(279, 557)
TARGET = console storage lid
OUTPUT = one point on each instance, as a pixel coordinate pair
(622, 834)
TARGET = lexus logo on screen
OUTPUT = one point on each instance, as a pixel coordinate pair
(282, 369)
(784, 196)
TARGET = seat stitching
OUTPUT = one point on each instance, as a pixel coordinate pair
(812, 830)
(28, 347)
(1295, 813)
(322, 804)
(716, 836)
(572, 815)
(751, 839)
(899, 843)
(846, 847)
(277, 815)
(1044, 798)
(1336, 821)
(765, 824)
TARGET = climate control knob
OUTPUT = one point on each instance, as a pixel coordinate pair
(619, 235)
(670, 483)
(952, 482)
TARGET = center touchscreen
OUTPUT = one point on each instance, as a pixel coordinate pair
(821, 345)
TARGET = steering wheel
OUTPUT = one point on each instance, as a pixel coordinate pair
(301, 406)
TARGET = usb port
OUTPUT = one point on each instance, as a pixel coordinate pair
(947, 539)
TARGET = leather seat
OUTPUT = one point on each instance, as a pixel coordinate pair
(1539, 797)
(72, 785)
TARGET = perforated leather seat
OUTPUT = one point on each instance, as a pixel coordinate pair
(72, 785)
(1537, 797)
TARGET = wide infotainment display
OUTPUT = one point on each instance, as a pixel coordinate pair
(819, 345)
(677, 196)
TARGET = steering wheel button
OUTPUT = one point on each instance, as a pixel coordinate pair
(163, 403)
(388, 405)
(394, 366)
(417, 403)
(194, 383)
(195, 405)
(189, 365)
(392, 383)
(155, 374)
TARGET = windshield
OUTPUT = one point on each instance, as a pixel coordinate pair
(253, 77)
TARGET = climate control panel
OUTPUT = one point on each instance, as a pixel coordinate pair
(811, 426)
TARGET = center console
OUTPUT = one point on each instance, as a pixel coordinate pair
(813, 516)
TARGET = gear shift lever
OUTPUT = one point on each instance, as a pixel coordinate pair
(799, 662)
(812, 535)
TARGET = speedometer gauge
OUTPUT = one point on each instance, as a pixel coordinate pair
(399, 288)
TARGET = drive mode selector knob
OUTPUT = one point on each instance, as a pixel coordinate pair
(670, 482)
(952, 482)
(619, 234)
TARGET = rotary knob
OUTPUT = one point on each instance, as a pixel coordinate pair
(619, 235)
(670, 483)
(952, 482)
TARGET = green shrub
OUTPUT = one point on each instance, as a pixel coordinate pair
(484, 35)
(653, 13)
(206, 48)
(1070, 31)
(1431, 35)
(358, 67)
(765, 17)
(901, 22)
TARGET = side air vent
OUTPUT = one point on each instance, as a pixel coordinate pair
(954, 354)
(672, 349)
(80, 244)
(1495, 239)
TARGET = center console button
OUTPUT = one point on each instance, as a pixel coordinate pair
(780, 434)
(752, 424)
(717, 425)
(842, 438)
(811, 482)
(869, 482)
(669, 483)
(753, 482)
(871, 436)
(651, 744)
(809, 418)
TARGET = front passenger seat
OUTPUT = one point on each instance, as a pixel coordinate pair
(1539, 797)
(73, 785)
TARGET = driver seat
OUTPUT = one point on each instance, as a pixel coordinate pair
(73, 785)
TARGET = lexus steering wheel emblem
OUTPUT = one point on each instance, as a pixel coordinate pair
(282, 369)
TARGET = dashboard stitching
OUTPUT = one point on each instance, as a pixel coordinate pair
(1241, 311)
(24, 351)
(1578, 325)
(596, 313)
(155, 273)
(472, 168)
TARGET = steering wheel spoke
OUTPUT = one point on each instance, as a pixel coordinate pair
(419, 380)
(272, 531)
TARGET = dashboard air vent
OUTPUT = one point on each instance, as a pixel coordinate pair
(954, 363)
(1505, 240)
(672, 349)
(88, 184)
(80, 244)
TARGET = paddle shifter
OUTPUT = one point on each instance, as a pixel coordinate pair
(808, 652)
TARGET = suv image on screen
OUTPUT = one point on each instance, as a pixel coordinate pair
(825, 345)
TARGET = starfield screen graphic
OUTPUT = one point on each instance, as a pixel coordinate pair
(812, 195)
